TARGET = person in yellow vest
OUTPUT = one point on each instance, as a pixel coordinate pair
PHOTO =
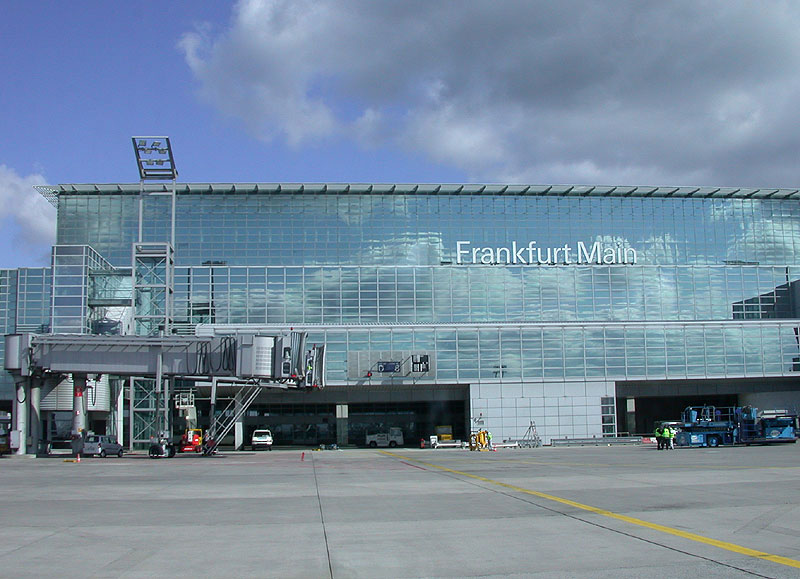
(669, 438)
(659, 434)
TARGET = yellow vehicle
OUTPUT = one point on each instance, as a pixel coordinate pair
(480, 440)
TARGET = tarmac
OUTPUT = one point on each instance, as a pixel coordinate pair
(594, 511)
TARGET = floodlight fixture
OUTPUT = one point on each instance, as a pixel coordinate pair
(152, 152)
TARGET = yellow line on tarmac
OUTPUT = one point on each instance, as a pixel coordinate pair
(665, 466)
(631, 520)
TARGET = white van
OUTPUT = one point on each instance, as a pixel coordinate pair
(261, 439)
(393, 438)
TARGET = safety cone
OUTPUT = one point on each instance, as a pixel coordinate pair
(302, 456)
(79, 458)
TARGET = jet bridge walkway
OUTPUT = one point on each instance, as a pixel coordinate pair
(251, 360)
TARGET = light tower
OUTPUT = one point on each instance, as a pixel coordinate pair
(153, 273)
(153, 252)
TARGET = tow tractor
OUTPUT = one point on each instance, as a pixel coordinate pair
(161, 447)
(191, 441)
(713, 426)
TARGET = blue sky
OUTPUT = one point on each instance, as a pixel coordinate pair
(649, 93)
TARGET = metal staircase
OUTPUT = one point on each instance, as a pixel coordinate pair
(230, 415)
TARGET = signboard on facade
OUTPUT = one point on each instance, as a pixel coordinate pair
(581, 253)
(389, 367)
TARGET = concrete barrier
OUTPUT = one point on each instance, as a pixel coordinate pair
(594, 441)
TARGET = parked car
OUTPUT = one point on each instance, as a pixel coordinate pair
(102, 445)
(261, 439)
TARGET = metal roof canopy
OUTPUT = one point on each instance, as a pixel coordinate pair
(53, 192)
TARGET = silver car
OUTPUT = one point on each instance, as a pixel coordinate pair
(102, 445)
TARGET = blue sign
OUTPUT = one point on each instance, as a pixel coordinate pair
(388, 367)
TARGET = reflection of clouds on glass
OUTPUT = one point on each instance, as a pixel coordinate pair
(766, 240)
(427, 294)
(360, 209)
(384, 228)
(658, 249)
(612, 240)
(757, 230)
(423, 248)
(352, 211)
(719, 210)
(625, 251)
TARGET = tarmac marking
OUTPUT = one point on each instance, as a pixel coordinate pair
(670, 466)
(414, 465)
(631, 520)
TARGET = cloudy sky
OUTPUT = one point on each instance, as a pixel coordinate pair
(614, 93)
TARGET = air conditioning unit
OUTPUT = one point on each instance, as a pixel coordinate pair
(256, 356)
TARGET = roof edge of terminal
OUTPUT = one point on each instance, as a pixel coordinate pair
(48, 192)
(53, 192)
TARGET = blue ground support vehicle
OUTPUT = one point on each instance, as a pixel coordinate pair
(715, 426)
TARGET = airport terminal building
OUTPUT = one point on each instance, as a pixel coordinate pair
(585, 310)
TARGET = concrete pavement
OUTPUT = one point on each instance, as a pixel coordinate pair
(546, 512)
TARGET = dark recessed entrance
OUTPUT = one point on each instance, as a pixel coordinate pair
(657, 400)
(311, 418)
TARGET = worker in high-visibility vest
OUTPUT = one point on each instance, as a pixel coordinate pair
(659, 434)
(669, 436)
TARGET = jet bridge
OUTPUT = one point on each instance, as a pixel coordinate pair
(249, 360)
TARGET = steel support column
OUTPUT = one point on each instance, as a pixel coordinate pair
(79, 422)
(21, 413)
(238, 428)
(35, 414)
(342, 414)
(120, 411)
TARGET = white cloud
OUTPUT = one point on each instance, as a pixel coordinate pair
(29, 221)
(567, 92)
(263, 70)
(448, 135)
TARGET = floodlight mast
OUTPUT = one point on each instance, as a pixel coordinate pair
(154, 158)
(153, 263)
(155, 162)
(153, 258)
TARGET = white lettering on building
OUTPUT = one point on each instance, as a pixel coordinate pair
(595, 253)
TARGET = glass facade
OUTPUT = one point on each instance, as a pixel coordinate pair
(8, 308)
(469, 294)
(538, 299)
(33, 300)
(24, 307)
(71, 267)
(616, 351)
(305, 229)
